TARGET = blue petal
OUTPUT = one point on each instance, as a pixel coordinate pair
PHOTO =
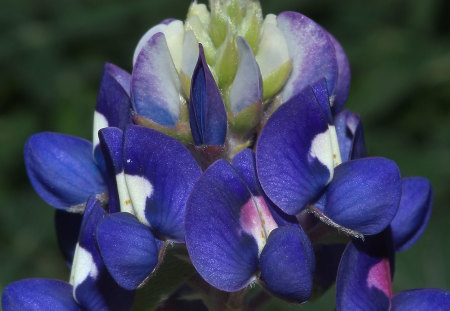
(128, 248)
(61, 169)
(113, 104)
(94, 288)
(342, 86)
(364, 275)
(207, 115)
(287, 265)
(350, 135)
(358, 149)
(167, 171)
(155, 86)
(67, 232)
(422, 300)
(323, 98)
(111, 142)
(113, 101)
(245, 164)
(364, 194)
(344, 134)
(223, 254)
(120, 75)
(414, 212)
(289, 171)
(38, 295)
(312, 52)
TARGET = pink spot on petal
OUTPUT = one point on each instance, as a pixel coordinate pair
(380, 277)
(256, 220)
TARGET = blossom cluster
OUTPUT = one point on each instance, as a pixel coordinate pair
(230, 139)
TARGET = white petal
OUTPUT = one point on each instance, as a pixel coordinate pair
(272, 48)
(190, 54)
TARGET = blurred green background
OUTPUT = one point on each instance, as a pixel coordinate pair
(51, 58)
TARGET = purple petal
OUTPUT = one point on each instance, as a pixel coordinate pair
(312, 53)
(61, 169)
(342, 86)
(155, 86)
(129, 249)
(94, 288)
(38, 295)
(113, 104)
(364, 194)
(113, 101)
(321, 92)
(287, 266)
(160, 173)
(223, 253)
(364, 275)
(67, 231)
(344, 134)
(358, 143)
(207, 115)
(247, 87)
(111, 142)
(245, 164)
(350, 135)
(414, 212)
(291, 167)
(421, 300)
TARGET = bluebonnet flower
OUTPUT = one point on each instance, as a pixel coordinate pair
(235, 236)
(213, 88)
(364, 280)
(300, 166)
(155, 175)
(91, 287)
(62, 168)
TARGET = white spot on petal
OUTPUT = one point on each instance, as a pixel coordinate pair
(124, 196)
(139, 189)
(322, 150)
(83, 265)
(100, 122)
(335, 145)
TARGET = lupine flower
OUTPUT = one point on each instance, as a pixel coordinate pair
(299, 166)
(155, 174)
(364, 280)
(203, 95)
(235, 236)
(90, 287)
(62, 168)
